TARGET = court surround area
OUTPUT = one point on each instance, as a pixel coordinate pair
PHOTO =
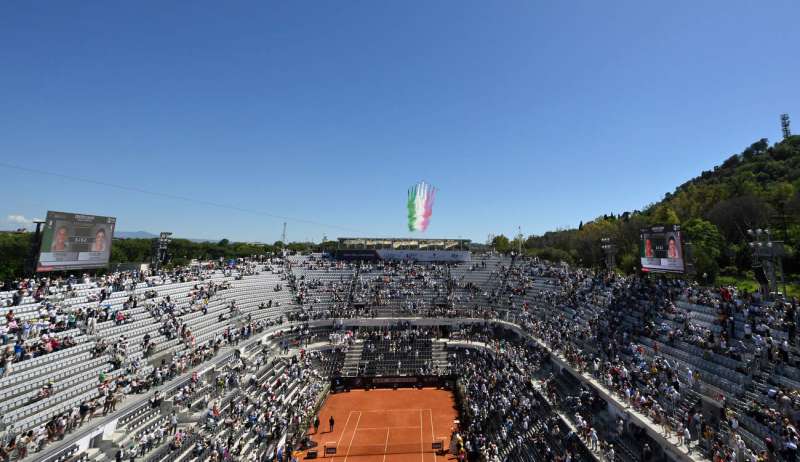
(385, 425)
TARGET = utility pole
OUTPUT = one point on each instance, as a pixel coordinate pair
(36, 244)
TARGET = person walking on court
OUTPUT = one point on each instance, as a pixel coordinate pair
(330, 423)
(316, 424)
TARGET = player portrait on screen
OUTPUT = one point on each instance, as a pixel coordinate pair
(75, 241)
(59, 240)
(672, 248)
(99, 244)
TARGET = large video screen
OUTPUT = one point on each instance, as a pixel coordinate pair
(661, 249)
(75, 241)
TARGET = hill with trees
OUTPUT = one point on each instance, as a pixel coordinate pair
(758, 188)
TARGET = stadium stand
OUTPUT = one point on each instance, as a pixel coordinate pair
(603, 366)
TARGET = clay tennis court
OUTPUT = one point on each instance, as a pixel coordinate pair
(386, 425)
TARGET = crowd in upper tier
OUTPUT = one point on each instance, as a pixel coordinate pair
(714, 368)
(666, 347)
(75, 346)
(505, 412)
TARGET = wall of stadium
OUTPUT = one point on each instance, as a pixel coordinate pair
(447, 256)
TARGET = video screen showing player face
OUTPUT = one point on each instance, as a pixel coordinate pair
(672, 248)
(661, 249)
(100, 238)
(75, 241)
(60, 239)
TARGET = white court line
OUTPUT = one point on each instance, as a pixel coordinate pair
(421, 443)
(391, 410)
(384, 428)
(386, 444)
(347, 454)
(343, 430)
(433, 436)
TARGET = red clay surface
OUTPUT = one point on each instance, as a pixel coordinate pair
(386, 425)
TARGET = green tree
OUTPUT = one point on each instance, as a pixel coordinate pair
(759, 188)
(629, 261)
(665, 215)
(299, 246)
(707, 246)
(501, 244)
(14, 250)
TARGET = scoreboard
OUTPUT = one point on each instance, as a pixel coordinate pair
(661, 249)
(75, 241)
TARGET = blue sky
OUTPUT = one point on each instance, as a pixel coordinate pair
(523, 113)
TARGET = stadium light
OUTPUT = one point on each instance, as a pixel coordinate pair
(610, 249)
(767, 257)
(162, 245)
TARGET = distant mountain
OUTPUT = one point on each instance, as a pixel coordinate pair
(134, 235)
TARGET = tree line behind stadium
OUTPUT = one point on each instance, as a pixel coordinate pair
(758, 188)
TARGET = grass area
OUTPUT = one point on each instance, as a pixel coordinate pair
(750, 285)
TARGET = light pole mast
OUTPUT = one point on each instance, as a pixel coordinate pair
(161, 249)
(610, 250)
(766, 253)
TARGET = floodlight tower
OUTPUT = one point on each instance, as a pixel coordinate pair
(767, 254)
(162, 246)
(610, 249)
(785, 126)
(283, 240)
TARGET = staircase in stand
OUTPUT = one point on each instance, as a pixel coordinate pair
(439, 356)
(352, 358)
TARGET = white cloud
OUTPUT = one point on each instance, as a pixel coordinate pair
(19, 219)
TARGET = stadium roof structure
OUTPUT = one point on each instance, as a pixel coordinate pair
(402, 243)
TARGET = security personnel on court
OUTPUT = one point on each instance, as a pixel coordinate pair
(330, 422)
